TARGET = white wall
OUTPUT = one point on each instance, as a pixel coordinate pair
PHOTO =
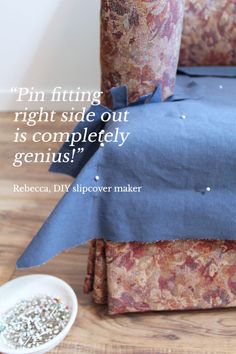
(48, 43)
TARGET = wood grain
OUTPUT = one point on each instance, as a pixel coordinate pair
(21, 214)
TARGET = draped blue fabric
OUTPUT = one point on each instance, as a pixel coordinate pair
(176, 172)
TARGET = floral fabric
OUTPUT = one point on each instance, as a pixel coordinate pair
(167, 275)
(209, 33)
(139, 47)
(140, 41)
(96, 278)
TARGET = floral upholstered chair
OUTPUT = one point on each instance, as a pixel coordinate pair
(140, 48)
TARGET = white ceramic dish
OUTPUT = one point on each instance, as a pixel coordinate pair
(28, 287)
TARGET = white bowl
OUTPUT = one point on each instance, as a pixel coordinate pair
(36, 285)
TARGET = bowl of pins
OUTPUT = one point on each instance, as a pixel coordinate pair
(36, 313)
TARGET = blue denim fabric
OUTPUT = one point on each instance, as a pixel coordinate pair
(182, 153)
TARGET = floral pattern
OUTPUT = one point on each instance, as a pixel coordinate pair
(96, 278)
(209, 33)
(139, 47)
(168, 275)
(140, 41)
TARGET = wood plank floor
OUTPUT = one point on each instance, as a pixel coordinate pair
(21, 214)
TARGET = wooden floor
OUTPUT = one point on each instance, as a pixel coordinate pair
(197, 332)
